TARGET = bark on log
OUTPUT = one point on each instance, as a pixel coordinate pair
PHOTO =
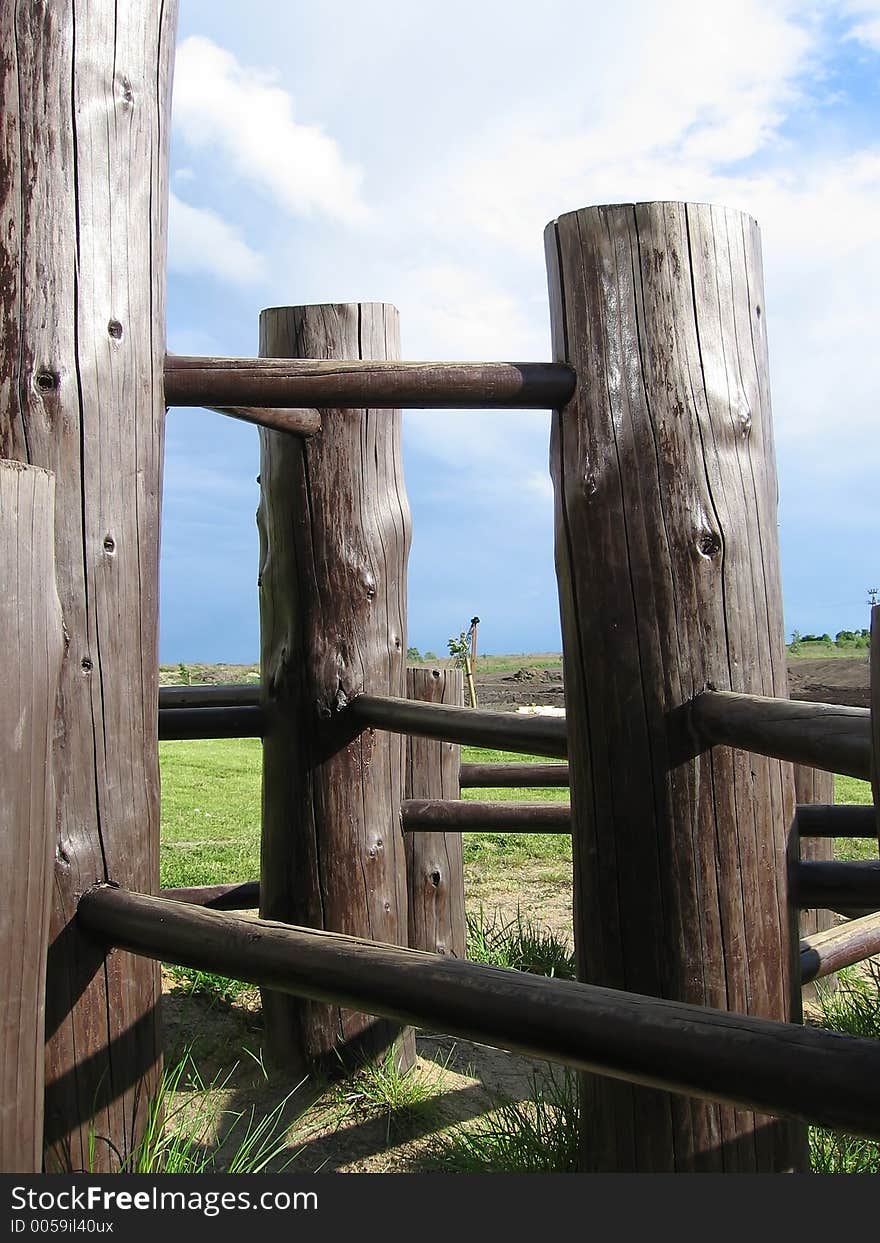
(840, 946)
(428, 815)
(434, 870)
(335, 533)
(668, 571)
(32, 650)
(84, 97)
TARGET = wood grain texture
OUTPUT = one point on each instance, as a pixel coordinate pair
(232, 721)
(30, 666)
(827, 736)
(506, 731)
(335, 533)
(83, 199)
(295, 422)
(665, 488)
(358, 382)
(824, 820)
(809, 1073)
(434, 868)
(839, 946)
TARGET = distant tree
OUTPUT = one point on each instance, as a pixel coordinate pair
(413, 655)
(431, 656)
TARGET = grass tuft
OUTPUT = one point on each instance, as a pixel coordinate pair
(537, 1135)
(519, 944)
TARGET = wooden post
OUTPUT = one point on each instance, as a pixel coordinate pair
(84, 95)
(335, 533)
(668, 573)
(434, 875)
(812, 785)
(33, 644)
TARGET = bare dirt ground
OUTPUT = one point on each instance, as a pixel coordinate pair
(333, 1127)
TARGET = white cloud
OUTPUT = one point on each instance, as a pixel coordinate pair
(245, 116)
(466, 313)
(201, 243)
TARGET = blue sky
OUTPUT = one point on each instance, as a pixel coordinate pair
(412, 153)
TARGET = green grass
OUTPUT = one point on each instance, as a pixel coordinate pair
(186, 1133)
(518, 943)
(825, 651)
(537, 1135)
(210, 811)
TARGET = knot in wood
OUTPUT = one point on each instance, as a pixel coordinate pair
(709, 543)
(435, 879)
(114, 328)
(46, 380)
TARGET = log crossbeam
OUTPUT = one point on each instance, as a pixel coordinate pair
(355, 384)
(753, 1063)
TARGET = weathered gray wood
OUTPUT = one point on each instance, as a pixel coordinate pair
(335, 533)
(430, 814)
(513, 775)
(540, 735)
(434, 868)
(668, 572)
(808, 1073)
(827, 736)
(839, 946)
(232, 721)
(30, 665)
(294, 422)
(813, 786)
(354, 382)
(84, 95)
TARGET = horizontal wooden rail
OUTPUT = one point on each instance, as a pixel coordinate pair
(434, 815)
(504, 731)
(835, 820)
(835, 948)
(818, 735)
(835, 886)
(234, 695)
(299, 422)
(753, 1063)
(510, 776)
(264, 382)
(229, 722)
(244, 896)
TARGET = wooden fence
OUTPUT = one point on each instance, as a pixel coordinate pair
(679, 737)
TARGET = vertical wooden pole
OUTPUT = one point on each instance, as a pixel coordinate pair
(84, 97)
(335, 534)
(812, 785)
(434, 873)
(668, 573)
(30, 659)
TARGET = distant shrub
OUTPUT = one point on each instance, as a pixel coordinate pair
(413, 655)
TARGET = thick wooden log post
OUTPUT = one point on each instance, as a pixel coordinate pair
(30, 664)
(434, 873)
(812, 785)
(335, 532)
(668, 572)
(84, 96)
